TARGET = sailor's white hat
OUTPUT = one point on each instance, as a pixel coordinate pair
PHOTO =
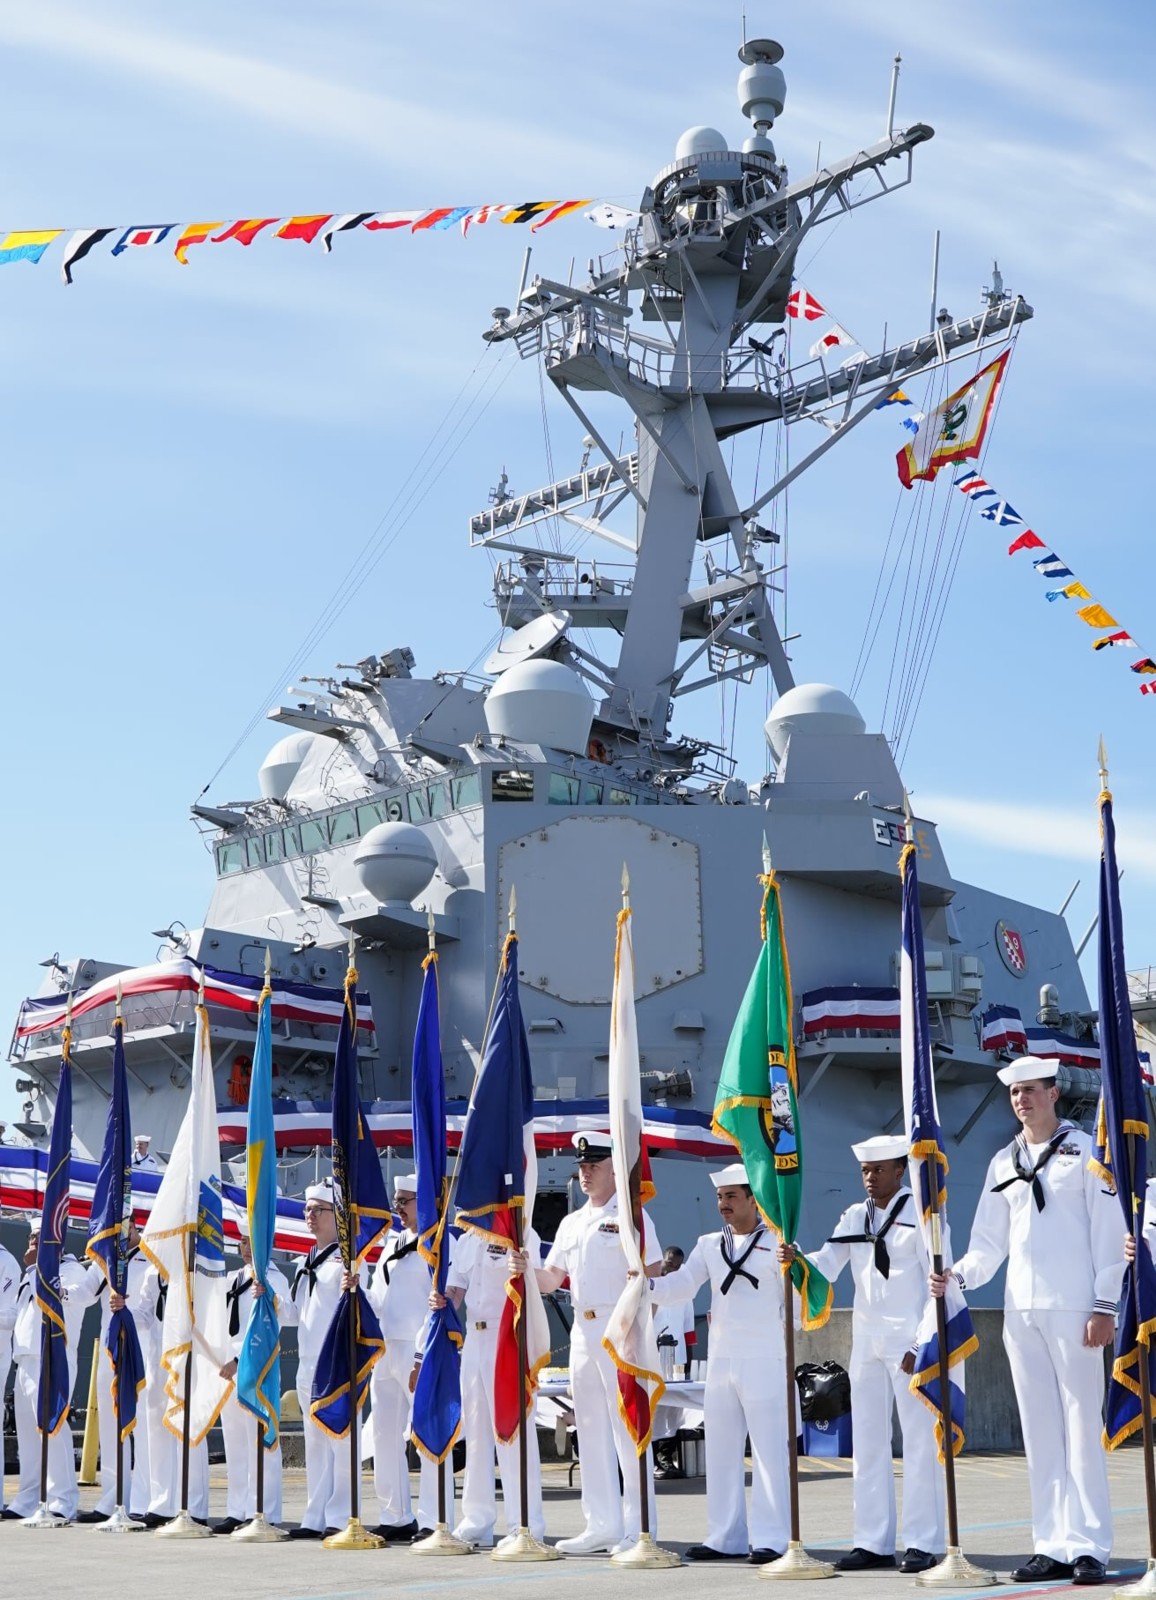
(142, 1138)
(323, 1192)
(405, 1183)
(1028, 1069)
(731, 1177)
(882, 1147)
(243, 1225)
(593, 1146)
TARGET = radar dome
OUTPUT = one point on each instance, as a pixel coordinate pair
(395, 861)
(811, 708)
(699, 142)
(282, 765)
(541, 702)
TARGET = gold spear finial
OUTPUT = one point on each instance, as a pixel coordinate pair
(766, 856)
(201, 988)
(429, 922)
(352, 950)
(1103, 758)
(513, 912)
(268, 966)
(119, 999)
(625, 884)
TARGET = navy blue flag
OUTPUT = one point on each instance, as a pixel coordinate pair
(437, 1399)
(1120, 1153)
(55, 1388)
(108, 1242)
(363, 1215)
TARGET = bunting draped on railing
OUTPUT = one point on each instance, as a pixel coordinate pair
(31, 244)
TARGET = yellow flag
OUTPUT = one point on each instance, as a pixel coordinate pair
(1097, 617)
(1076, 591)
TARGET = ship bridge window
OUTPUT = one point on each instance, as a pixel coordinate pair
(255, 852)
(313, 836)
(418, 802)
(274, 846)
(368, 816)
(394, 808)
(467, 791)
(439, 800)
(342, 827)
(591, 793)
(619, 797)
(563, 789)
(506, 783)
(230, 858)
(292, 839)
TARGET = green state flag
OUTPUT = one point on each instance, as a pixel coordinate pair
(757, 1107)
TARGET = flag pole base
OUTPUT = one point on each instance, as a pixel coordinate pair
(354, 1536)
(795, 1563)
(259, 1531)
(121, 1522)
(646, 1554)
(1143, 1586)
(521, 1545)
(441, 1542)
(956, 1569)
(43, 1518)
(183, 1527)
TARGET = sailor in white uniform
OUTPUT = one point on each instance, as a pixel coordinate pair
(9, 1289)
(399, 1294)
(880, 1239)
(311, 1303)
(135, 1449)
(478, 1275)
(156, 1492)
(745, 1391)
(674, 1331)
(239, 1426)
(63, 1495)
(141, 1159)
(588, 1251)
(1058, 1228)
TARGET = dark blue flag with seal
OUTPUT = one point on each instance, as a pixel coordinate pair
(437, 1398)
(54, 1393)
(1120, 1151)
(108, 1242)
(353, 1342)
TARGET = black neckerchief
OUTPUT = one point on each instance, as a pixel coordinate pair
(1025, 1174)
(737, 1265)
(384, 1262)
(876, 1237)
(308, 1268)
(135, 1251)
(233, 1297)
(162, 1296)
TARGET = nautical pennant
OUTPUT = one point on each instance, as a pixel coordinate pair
(481, 214)
(1148, 688)
(1124, 640)
(835, 335)
(896, 399)
(303, 228)
(1096, 617)
(562, 209)
(975, 487)
(351, 219)
(802, 304)
(603, 216)
(1074, 591)
(246, 230)
(1050, 566)
(956, 428)
(444, 217)
(141, 237)
(27, 246)
(195, 233)
(1003, 515)
(1147, 665)
(84, 240)
(1026, 541)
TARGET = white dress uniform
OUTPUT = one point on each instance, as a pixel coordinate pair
(161, 1467)
(884, 1324)
(745, 1391)
(588, 1249)
(481, 1269)
(399, 1294)
(238, 1426)
(63, 1495)
(9, 1289)
(1060, 1232)
(137, 1269)
(309, 1307)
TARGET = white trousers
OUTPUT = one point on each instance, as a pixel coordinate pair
(63, 1495)
(1060, 1392)
(5, 1366)
(392, 1405)
(878, 1382)
(326, 1466)
(746, 1395)
(239, 1433)
(165, 1473)
(479, 1504)
(604, 1445)
(134, 1465)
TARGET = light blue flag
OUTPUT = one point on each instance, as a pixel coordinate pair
(259, 1363)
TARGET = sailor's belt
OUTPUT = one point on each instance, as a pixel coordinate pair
(590, 1313)
(479, 1327)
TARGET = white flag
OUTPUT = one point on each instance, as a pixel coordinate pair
(186, 1223)
(608, 216)
(834, 336)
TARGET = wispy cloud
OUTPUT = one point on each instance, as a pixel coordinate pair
(1061, 833)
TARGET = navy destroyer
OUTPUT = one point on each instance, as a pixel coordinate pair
(393, 805)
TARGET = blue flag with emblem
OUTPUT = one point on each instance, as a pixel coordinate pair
(108, 1244)
(1120, 1151)
(353, 1341)
(928, 1164)
(55, 1389)
(437, 1398)
(259, 1363)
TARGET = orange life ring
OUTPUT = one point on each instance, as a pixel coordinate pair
(596, 751)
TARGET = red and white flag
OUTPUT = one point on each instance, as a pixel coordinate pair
(802, 304)
(835, 335)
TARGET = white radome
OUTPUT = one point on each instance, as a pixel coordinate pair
(282, 765)
(699, 141)
(811, 708)
(395, 861)
(541, 702)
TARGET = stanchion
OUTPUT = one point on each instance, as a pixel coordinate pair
(794, 1563)
(183, 1526)
(442, 1541)
(355, 1535)
(260, 1530)
(120, 1521)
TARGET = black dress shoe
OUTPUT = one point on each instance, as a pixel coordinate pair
(707, 1552)
(396, 1532)
(306, 1533)
(860, 1560)
(1042, 1567)
(422, 1533)
(153, 1519)
(90, 1516)
(918, 1560)
(228, 1525)
(1086, 1569)
(762, 1558)
(8, 1515)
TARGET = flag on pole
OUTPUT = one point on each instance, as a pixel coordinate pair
(184, 1239)
(108, 1239)
(437, 1398)
(956, 429)
(498, 1176)
(259, 1362)
(928, 1164)
(756, 1106)
(834, 336)
(363, 1215)
(1120, 1148)
(55, 1386)
(802, 304)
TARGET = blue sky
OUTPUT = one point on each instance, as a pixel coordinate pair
(195, 456)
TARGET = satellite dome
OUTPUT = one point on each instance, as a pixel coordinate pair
(395, 861)
(282, 765)
(541, 702)
(811, 708)
(699, 142)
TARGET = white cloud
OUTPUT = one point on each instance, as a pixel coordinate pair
(1061, 833)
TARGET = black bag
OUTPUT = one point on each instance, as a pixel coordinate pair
(824, 1391)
